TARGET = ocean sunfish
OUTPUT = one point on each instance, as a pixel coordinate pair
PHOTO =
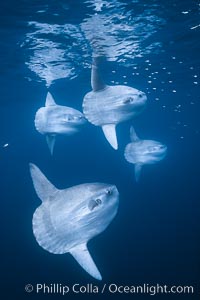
(67, 219)
(53, 120)
(143, 152)
(107, 106)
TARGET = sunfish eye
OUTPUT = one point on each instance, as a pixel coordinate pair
(140, 95)
(108, 192)
(69, 117)
(128, 100)
(94, 203)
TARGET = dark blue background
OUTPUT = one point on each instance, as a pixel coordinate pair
(155, 236)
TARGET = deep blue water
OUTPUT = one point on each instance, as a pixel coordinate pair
(153, 46)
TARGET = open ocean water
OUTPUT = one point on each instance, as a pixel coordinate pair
(153, 46)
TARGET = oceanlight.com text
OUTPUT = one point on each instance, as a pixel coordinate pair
(111, 288)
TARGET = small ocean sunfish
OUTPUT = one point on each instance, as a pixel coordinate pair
(67, 219)
(53, 120)
(107, 106)
(143, 152)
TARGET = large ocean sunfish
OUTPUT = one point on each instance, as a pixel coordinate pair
(107, 106)
(143, 152)
(67, 219)
(53, 120)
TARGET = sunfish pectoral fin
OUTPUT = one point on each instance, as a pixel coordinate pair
(110, 134)
(133, 135)
(43, 187)
(138, 168)
(83, 257)
(51, 138)
(49, 100)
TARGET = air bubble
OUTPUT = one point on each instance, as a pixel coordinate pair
(5, 145)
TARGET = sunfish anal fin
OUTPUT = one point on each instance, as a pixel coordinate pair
(43, 187)
(133, 135)
(110, 134)
(138, 168)
(49, 100)
(51, 138)
(83, 257)
(96, 80)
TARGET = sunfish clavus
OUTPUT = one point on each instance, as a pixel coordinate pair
(67, 219)
(143, 152)
(53, 120)
(107, 106)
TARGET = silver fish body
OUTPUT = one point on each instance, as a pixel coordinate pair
(53, 120)
(59, 120)
(143, 152)
(113, 105)
(67, 219)
(107, 106)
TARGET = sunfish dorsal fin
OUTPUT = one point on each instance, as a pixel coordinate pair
(138, 168)
(83, 257)
(51, 138)
(49, 100)
(133, 135)
(110, 134)
(43, 187)
(96, 80)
